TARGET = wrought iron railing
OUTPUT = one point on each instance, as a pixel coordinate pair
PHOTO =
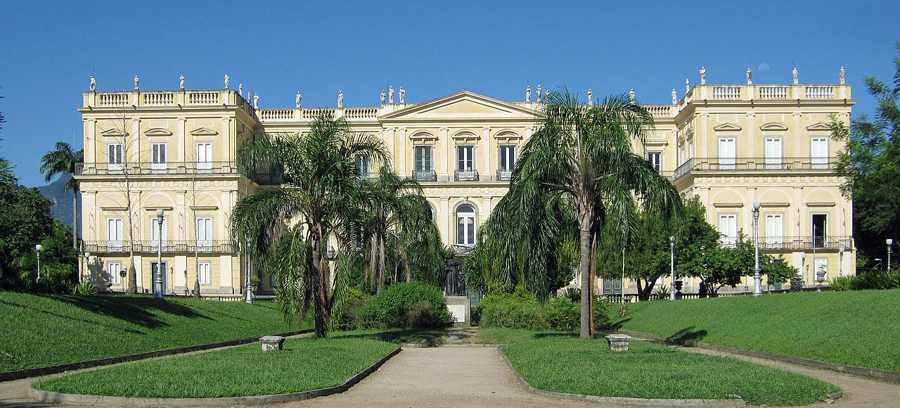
(465, 175)
(426, 175)
(168, 247)
(149, 168)
(767, 164)
(805, 243)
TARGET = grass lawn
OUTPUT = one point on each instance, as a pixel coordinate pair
(303, 365)
(857, 328)
(561, 362)
(41, 331)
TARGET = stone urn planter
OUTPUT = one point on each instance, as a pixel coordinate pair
(618, 342)
(271, 343)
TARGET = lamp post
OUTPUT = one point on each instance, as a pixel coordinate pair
(157, 277)
(889, 242)
(757, 289)
(37, 249)
(672, 266)
(248, 293)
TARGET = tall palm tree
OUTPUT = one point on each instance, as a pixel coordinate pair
(394, 211)
(62, 160)
(291, 226)
(583, 156)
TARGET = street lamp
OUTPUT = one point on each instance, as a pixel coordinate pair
(157, 278)
(672, 265)
(889, 242)
(757, 290)
(37, 249)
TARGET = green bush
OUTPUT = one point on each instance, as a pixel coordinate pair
(84, 289)
(405, 305)
(842, 283)
(346, 313)
(868, 280)
(524, 311)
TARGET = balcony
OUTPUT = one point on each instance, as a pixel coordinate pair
(150, 247)
(465, 175)
(425, 175)
(504, 175)
(148, 168)
(806, 243)
(755, 164)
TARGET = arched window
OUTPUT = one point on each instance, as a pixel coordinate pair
(465, 225)
(429, 212)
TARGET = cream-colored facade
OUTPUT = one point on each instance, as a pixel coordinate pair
(730, 145)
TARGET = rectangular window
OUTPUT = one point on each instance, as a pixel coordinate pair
(819, 229)
(726, 153)
(204, 232)
(114, 232)
(113, 269)
(465, 162)
(203, 273)
(154, 231)
(423, 159)
(774, 231)
(655, 159)
(114, 156)
(728, 228)
(773, 152)
(204, 156)
(362, 167)
(158, 156)
(507, 159)
(818, 152)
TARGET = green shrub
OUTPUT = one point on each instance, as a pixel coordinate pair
(524, 311)
(405, 305)
(84, 289)
(347, 311)
(562, 314)
(842, 283)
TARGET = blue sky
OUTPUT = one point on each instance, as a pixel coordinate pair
(431, 48)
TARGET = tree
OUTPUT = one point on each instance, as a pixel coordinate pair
(24, 221)
(62, 160)
(582, 155)
(291, 226)
(870, 164)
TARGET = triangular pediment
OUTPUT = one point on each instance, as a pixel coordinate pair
(818, 126)
(727, 127)
(204, 132)
(464, 105)
(158, 132)
(113, 133)
(773, 126)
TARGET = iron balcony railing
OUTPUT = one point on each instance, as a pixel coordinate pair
(503, 175)
(424, 175)
(168, 247)
(752, 164)
(806, 243)
(149, 168)
(465, 175)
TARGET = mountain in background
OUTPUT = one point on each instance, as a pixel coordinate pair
(60, 198)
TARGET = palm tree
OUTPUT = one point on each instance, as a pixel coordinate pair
(583, 156)
(291, 226)
(62, 160)
(394, 211)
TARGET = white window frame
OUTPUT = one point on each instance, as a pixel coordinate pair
(774, 239)
(114, 156)
(159, 156)
(506, 159)
(729, 238)
(204, 155)
(362, 166)
(727, 162)
(465, 158)
(114, 228)
(655, 159)
(113, 269)
(427, 157)
(204, 231)
(204, 272)
(773, 161)
(154, 230)
(466, 236)
(820, 160)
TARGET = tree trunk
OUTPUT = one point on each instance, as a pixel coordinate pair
(380, 262)
(373, 263)
(584, 270)
(318, 286)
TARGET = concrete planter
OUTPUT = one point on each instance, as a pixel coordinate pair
(618, 342)
(271, 343)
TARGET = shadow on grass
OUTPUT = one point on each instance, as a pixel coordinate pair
(615, 325)
(133, 309)
(687, 337)
(397, 336)
(62, 316)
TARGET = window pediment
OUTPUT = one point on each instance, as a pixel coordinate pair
(114, 132)
(727, 127)
(204, 132)
(158, 132)
(818, 126)
(507, 135)
(423, 137)
(465, 136)
(773, 126)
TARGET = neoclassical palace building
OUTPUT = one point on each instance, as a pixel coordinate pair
(174, 150)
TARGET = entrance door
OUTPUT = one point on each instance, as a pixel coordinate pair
(155, 269)
(819, 229)
(726, 153)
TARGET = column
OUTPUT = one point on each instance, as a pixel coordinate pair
(445, 212)
(487, 153)
(445, 155)
(227, 127)
(182, 139)
(136, 136)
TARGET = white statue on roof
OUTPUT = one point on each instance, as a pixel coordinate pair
(93, 86)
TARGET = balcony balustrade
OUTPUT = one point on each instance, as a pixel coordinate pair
(504, 175)
(465, 175)
(753, 164)
(426, 175)
(731, 92)
(805, 243)
(149, 168)
(168, 247)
